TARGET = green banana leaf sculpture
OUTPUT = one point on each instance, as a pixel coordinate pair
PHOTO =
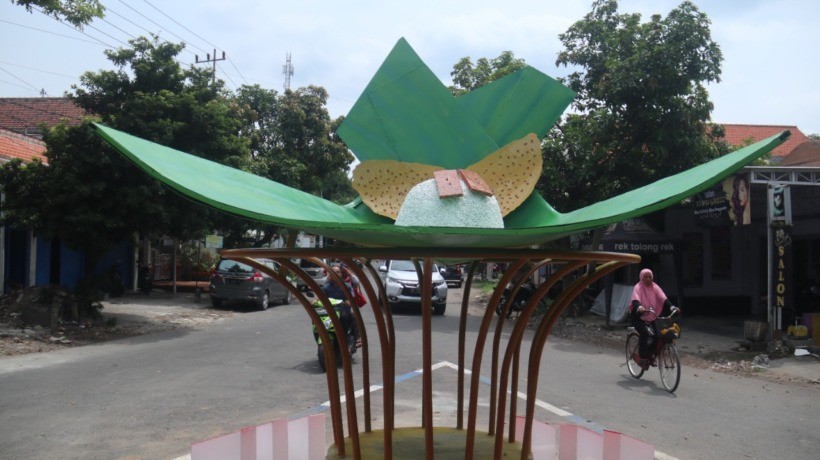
(406, 116)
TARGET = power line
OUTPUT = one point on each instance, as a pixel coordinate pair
(199, 37)
(38, 70)
(159, 25)
(108, 9)
(72, 27)
(53, 33)
(18, 78)
(177, 23)
(19, 86)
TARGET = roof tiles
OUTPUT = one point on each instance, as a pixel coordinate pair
(742, 135)
(26, 148)
(25, 114)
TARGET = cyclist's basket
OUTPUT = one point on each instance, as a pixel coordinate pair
(669, 329)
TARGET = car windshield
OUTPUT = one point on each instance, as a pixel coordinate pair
(406, 266)
(304, 263)
(227, 265)
(233, 266)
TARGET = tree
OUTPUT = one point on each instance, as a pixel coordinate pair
(151, 96)
(467, 77)
(642, 109)
(76, 12)
(89, 197)
(293, 142)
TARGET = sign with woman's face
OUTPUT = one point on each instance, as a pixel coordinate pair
(780, 211)
(738, 192)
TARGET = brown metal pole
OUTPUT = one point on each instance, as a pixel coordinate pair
(357, 314)
(540, 340)
(330, 358)
(427, 354)
(462, 340)
(513, 349)
(472, 408)
(384, 348)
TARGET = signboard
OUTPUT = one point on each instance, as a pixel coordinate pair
(780, 205)
(213, 241)
(727, 203)
(782, 277)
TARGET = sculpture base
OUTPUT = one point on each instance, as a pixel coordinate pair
(408, 443)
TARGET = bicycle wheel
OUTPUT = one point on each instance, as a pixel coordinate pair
(669, 366)
(632, 356)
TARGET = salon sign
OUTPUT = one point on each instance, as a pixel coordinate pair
(782, 280)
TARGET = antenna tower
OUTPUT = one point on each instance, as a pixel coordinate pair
(287, 71)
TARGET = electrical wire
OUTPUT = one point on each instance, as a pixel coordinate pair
(20, 79)
(53, 33)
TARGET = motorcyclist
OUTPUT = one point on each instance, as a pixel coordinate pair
(646, 305)
(334, 290)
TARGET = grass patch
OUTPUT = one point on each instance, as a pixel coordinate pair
(484, 287)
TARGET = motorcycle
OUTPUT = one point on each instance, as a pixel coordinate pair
(145, 279)
(522, 297)
(350, 337)
(116, 288)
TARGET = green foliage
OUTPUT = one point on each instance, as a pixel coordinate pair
(467, 77)
(292, 141)
(89, 197)
(75, 12)
(195, 260)
(642, 107)
(292, 138)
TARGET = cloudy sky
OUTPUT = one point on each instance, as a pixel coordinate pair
(770, 72)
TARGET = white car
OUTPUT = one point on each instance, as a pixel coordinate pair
(402, 285)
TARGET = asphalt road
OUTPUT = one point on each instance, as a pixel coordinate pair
(150, 397)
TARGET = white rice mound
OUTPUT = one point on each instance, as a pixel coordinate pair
(423, 208)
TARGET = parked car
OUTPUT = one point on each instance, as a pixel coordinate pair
(232, 280)
(402, 285)
(316, 272)
(453, 275)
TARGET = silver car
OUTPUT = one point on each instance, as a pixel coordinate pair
(235, 281)
(316, 272)
(402, 285)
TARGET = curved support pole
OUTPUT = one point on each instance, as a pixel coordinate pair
(330, 358)
(426, 277)
(462, 340)
(357, 314)
(388, 342)
(499, 328)
(514, 348)
(479, 350)
(347, 366)
(540, 340)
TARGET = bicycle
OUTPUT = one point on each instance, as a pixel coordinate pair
(663, 352)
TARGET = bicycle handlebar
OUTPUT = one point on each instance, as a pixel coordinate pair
(674, 311)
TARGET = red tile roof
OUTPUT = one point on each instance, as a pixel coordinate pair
(26, 148)
(25, 114)
(742, 135)
(805, 154)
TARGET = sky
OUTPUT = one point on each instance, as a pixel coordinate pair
(770, 69)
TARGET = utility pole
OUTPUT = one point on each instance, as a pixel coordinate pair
(287, 71)
(208, 59)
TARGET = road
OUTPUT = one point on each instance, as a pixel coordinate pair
(152, 396)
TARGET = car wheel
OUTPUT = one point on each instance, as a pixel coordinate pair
(438, 309)
(458, 285)
(216, 302)
(288, 298)
(264, 301)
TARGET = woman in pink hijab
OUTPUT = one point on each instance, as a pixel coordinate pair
(647, 303)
